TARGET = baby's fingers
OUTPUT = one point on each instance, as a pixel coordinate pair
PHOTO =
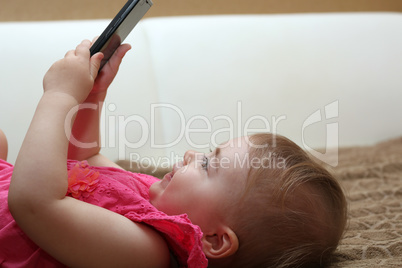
(114, 62)
(83, 49)
(122, 50)
(70, 53)
(95, 64)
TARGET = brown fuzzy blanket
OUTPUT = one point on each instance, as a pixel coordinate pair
(372, 179)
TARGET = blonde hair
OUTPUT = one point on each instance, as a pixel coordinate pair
(293, 212)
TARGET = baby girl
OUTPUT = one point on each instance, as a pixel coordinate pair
(257, 201)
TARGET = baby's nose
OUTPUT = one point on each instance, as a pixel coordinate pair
(188, 157)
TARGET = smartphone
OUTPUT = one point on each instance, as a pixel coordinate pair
(119, 28)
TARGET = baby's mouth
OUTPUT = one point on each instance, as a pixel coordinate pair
(166, 179)
(168, 176)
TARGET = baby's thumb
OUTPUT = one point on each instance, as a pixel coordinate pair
(95, 64)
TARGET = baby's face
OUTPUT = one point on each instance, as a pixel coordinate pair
(203, 185)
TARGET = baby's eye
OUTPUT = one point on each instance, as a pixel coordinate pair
(204, 163)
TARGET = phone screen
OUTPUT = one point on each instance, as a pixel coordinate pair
(120, 28)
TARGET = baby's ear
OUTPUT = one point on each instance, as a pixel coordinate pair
(221, 244)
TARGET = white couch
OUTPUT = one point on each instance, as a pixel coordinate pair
(323, 80)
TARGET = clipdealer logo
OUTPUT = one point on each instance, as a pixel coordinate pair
(115, 135)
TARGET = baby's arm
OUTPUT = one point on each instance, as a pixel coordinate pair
(76, 233)
(85, 138)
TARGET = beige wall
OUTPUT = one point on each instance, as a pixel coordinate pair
(20, 10)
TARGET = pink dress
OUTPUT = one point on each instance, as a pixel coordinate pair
(117, 190)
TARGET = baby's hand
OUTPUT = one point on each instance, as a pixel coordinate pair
(75, 73)
(109, 71)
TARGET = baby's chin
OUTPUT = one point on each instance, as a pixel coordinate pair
(158, 187)
(153, 193)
